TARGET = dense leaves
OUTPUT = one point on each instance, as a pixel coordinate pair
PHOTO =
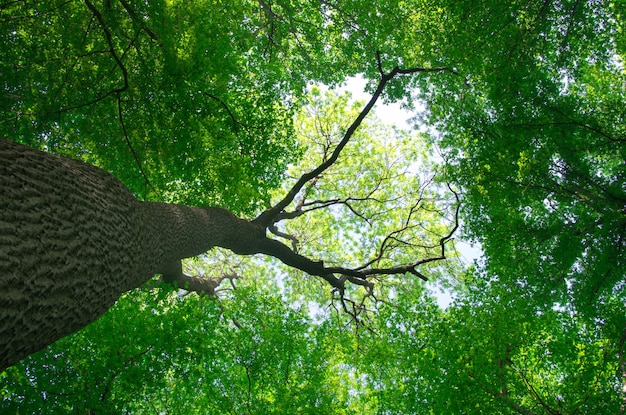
(521, 112)
(250, 354)
(542, 161)
(539, 148)
(156, 92)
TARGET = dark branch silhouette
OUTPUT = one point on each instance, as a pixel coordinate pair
(270, 215)
(337, 276)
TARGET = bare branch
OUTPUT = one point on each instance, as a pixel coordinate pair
(270, 215)
(322, 204)
(303, 207)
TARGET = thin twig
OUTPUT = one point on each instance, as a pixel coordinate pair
(132, 149)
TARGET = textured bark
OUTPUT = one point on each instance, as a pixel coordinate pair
(73, 239)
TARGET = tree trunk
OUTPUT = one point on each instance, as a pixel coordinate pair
(73, 239)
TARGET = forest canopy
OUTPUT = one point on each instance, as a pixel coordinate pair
(518, 146)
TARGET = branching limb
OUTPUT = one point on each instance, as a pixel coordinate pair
(118, 91)
(172, 274)
(357, 276)
(337, 276)
(294, 241)
(392, 236)
(271, 215)
(303, 207)
(116, 57)
(133, 14)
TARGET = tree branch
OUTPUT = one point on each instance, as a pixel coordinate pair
(338, 276)
(356, 276)
(236, 122)
(303, 207)
(271, 215)
(294, 241)
(197, 284)
(138, 20)
(109, 40)
(130, 146)
(360, 274)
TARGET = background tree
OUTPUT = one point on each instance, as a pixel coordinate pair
(545, 154)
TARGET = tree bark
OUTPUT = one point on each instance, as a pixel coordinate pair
(73, 239)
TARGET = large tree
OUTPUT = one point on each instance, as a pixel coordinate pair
(384, 190)
(75, 238)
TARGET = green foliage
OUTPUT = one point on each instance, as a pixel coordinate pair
(536, 139)
(154, 93)
(160, 351)
(206, 102)
(383, 199)
(508, 357)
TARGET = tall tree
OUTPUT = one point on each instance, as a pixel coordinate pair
(75, 239)
(151, 334)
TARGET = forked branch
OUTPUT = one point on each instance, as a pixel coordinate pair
(338, 276)
(270, 216)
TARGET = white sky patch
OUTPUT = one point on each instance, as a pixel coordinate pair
(391, 113)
